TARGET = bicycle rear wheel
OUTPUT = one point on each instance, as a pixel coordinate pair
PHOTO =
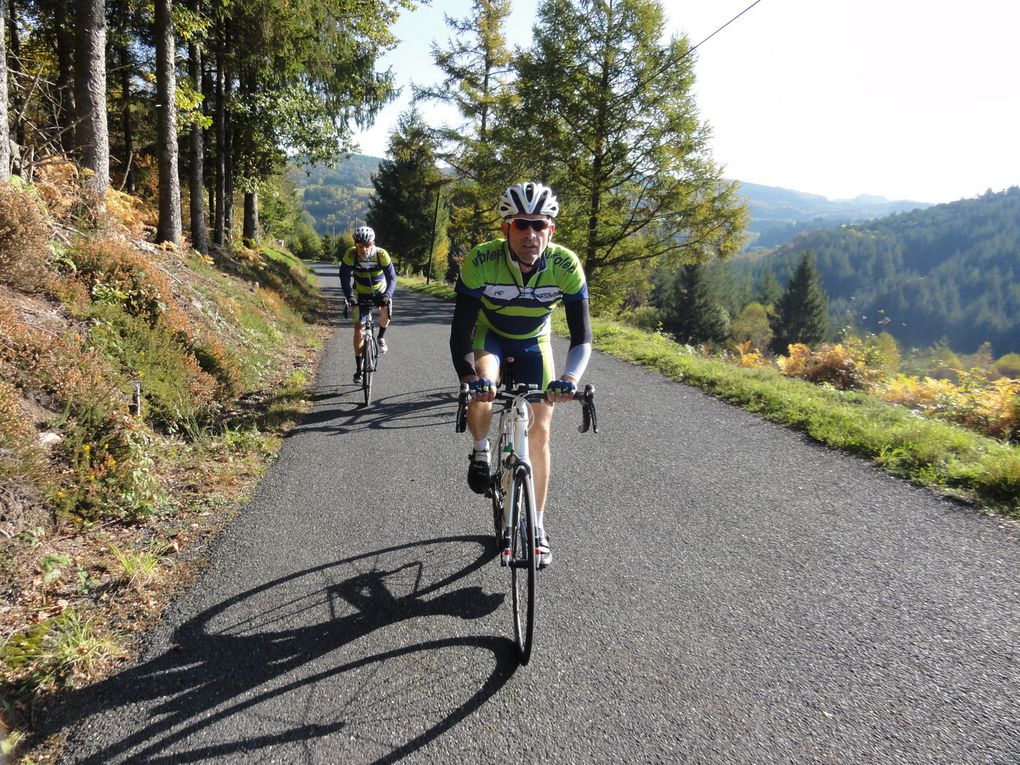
(523, 566)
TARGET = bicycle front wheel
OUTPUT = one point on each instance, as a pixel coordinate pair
(523, 566)
(371, 354)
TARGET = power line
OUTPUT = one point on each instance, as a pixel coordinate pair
(720, 29)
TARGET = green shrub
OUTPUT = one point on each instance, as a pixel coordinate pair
(216, 359)
(113, 472)
(1009, 366)
(115, 273)
(645, 317)
(176, 394)
(67, 646)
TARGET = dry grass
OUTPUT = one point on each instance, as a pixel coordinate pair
(130, 427)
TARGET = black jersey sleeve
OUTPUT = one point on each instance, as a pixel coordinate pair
(345, 280)
(462, 329)
(578, 322)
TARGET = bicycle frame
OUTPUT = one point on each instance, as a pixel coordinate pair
(367, 331)
(369, 343)
(512, 491)
(513, 462)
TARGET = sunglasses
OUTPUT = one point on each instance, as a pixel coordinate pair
(523, 224)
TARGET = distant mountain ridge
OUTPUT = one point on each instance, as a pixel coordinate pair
(946, 272)
(923, 272)
(778, 214)
(336, 199)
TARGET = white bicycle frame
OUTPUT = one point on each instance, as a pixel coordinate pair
(515, 459)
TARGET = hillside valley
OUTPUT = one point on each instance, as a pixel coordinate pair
(948, 274)
(336, 199)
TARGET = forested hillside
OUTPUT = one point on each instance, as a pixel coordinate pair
(336, 198)
(948, 272)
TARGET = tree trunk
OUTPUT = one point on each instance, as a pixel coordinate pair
(199, 230)
(228, 152)
(18, 99)
(65, 76)
(169, 227)
(125, 119)
(93, 138)
(5, 137)
(250, 234)
(219, 120)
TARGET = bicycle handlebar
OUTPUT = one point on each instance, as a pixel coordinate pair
(589, 420)
(363, 304)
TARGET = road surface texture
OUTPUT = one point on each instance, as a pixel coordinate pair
(723, 591)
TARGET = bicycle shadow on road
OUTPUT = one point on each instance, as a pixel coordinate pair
(280, 666)
(341, 415)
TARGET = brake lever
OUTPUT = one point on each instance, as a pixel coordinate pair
(589, 421)
(462, 401)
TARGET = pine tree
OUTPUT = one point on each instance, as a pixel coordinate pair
(769, 292)
(403, 209)
(476, 65)
(5, 146)
(169, 228)
(93, 138)
(695, 316)
(802, 312)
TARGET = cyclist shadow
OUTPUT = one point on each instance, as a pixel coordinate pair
(417, 409)
(241, 660)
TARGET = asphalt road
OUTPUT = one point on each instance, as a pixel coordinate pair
(723, 591)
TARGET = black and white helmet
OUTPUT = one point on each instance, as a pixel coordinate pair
(528, 199)
(364, 235)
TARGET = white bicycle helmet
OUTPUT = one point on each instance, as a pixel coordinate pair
(528, 199)
(364, 235)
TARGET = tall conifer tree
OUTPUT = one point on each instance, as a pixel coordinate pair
(476, 65)
(170, 225)
(607, 117)
(695, 316)
(802, 312)
(403, 209)
(93, 138)
(5, 145)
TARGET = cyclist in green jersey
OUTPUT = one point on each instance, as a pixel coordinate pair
(506, 294)
(374, 278)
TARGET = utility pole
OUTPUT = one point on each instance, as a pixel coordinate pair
(435, 223)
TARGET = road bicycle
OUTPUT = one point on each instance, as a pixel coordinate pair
(369, 343)
(512, 490)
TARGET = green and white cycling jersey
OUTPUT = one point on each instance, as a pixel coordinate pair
(514, 306)
(373, 276)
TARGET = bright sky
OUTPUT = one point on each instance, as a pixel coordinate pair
(906, 99)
